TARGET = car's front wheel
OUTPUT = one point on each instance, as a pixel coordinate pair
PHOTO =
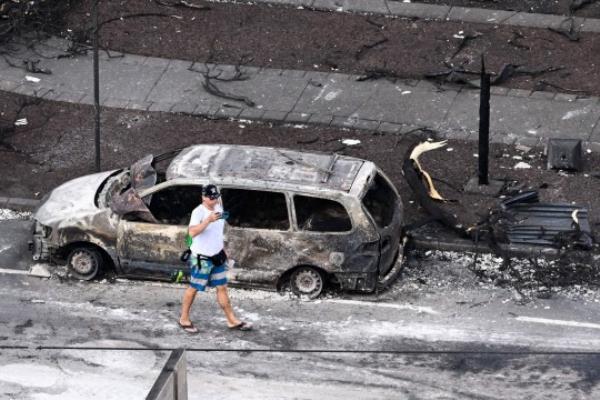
(84, 262)
(307, 282)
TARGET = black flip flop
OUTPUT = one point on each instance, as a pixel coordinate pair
(242, 326)
(191, 329)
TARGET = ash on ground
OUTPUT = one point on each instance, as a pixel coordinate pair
(527, 279)
(6, 214)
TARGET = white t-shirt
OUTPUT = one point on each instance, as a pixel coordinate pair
(210, 241)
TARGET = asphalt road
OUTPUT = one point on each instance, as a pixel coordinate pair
(436, 334)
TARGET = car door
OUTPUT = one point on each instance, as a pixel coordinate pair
(154, 248)
(257, 235)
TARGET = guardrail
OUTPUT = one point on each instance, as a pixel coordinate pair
(171, 384)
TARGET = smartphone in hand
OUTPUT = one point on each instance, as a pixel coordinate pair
(224, 215)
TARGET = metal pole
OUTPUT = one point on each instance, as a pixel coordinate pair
(484, 125)
(96, 84)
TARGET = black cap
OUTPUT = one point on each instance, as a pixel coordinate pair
(211, 192)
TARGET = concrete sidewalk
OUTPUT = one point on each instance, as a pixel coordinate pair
(401, 9)
(146, 83)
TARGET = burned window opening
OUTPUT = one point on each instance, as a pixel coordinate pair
(380, 201)
(321, 215)
(255, 209)
(174, 205)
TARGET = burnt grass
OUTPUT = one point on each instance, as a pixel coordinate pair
(280, 37)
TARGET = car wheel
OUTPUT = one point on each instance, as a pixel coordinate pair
(307, 282)
(84, 263)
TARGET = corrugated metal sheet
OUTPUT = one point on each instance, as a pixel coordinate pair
(540, 224)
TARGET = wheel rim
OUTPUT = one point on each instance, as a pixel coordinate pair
(83, 262)
(308, 281)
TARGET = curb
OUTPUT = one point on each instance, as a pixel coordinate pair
(19, 204)
(400, 9)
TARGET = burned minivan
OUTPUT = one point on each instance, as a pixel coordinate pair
(307, 219)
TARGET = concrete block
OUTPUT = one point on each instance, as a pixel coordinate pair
(26, 90)
(344, 122)
(186, 108)
(156, 62)
(542, 95)
(140, 105)
(20, 204)
(162, 107)
(591, 25)
(499, 90)
(595, 135)
(519, 93)
(292, 73)
(8, 86)
(535, 20)
(321, 119)
(364, 6)
(297, 117)
(366, 124)
(295, 3)
(479, 15)
(116, 103)
(565, 97)
(270, 115)
(228, 112)
(418, 10)
(71, 97)
(251, 113)
(389, 127)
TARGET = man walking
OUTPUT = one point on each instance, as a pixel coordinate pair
(208, 261)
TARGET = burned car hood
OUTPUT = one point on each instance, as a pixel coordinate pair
(72, 199)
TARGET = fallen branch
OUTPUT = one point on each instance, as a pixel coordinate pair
(513, 41)
(140, 15)
(542, 85)
(378, 73)
(181, 3)
(211, 88)
(365, 48)
(568, 32)
(577, 4)
(464, 41)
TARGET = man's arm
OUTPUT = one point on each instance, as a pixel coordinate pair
(195, 230)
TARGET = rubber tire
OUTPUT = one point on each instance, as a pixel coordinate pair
(91, 256)
(307, 272)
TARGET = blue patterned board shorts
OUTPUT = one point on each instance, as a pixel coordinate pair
(206, 274)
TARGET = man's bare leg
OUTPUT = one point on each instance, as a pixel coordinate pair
(223, 300)
(186, 305)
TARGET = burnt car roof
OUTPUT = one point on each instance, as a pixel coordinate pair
(266, 164)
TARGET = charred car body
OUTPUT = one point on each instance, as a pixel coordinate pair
(298, 217)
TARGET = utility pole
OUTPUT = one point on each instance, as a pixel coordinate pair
(96, 83)
(484, 125)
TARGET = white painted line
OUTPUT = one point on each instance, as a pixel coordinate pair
(426, 310)
(13, 271)
(559, 322)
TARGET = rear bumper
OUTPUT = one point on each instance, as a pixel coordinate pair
(386, 280)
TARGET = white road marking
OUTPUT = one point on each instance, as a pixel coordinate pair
(426, 310)
(13, 271)
(5, 248)
(559, 322)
